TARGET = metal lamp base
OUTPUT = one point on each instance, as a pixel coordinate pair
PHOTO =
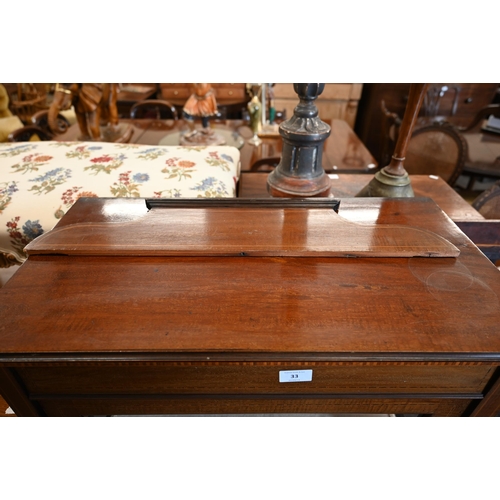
(283, 186)
(300, 172)
(385, 185)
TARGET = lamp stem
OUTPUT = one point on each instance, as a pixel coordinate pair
(415, 100)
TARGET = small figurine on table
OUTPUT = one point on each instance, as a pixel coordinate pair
(201, 104)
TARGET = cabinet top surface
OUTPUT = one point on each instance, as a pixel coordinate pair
(267, 305)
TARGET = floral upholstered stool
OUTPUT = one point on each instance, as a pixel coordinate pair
(40, 181)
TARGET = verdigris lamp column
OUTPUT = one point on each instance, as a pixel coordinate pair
(393, 180)
(300, 172)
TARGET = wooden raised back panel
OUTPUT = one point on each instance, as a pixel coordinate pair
(240, 228)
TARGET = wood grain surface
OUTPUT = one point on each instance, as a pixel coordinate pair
(241, 230)
(261, 304)
(100, 335)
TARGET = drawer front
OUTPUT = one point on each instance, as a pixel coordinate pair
(175, 93)
(194, 406)
(223, 92)
(231, 93)
(231, 378)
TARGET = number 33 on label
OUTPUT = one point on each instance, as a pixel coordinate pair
(296, 375)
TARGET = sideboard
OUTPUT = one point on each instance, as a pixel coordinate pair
(118, 311)
(233, 97)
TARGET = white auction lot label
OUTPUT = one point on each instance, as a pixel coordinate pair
(296, 375)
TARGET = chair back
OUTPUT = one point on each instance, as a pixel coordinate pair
(488, 202)
(265, 164)
(436, 149)
(31, 97)
(482, 114)
(41, 119)
(155, 109)
(29, 133)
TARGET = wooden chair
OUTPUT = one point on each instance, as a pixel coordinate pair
(488, 202)
(488, 205)
(478, 165)
(154, 108)
(29, 133)
(482, 114)
(265, 164)
(221, 113)
(40, 119)
(437, 149)
(434, 149)
(30, 98)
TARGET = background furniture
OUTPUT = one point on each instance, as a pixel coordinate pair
(29, 98)
(232, 98)
(30, 133)
(153, 108)
(8, 125)
(157, 334)
(488, 202)
(41, 120)
(487, 232)
(482, 114)
(130, 93)
(4, 102)
(459, 105)
(337, 101)
(8, 121)
(392, 180)
(265, 164)
(437, 149)
(483, 159)
(343, 151)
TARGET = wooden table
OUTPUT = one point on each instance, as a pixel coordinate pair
(343, 151)
(116, 323)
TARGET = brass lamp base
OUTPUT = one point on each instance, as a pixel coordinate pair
(386, 185)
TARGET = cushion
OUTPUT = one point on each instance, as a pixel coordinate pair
(8, 125)
(40, 181)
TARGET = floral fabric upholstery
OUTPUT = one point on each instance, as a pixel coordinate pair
(40, 181)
